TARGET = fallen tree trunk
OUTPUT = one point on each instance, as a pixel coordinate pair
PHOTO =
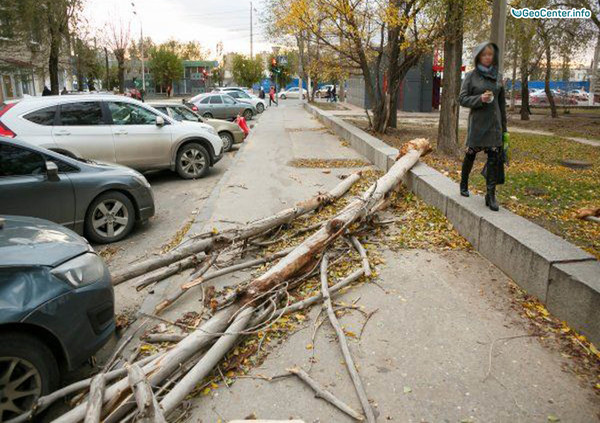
(207, 241)
(170, 270)
(148, 409)
(94, 407)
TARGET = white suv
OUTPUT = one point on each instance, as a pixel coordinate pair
(115, 129)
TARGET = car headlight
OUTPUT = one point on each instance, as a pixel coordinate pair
(82, 270)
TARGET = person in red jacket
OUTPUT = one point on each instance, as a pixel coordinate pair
(272, 96)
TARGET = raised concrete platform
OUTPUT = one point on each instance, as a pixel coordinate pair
(563, 276)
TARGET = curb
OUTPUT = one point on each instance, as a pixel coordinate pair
(561, 275)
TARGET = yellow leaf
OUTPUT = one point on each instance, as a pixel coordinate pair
(309, 346)
(214, 385)
(594, 350)
(206, 391)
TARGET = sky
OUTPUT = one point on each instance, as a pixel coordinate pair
(208, 21)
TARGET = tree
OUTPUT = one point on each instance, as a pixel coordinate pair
(46, 23)
(165, 65)
(191, 50)
(118, 39)
(383, 39)
(247, 71)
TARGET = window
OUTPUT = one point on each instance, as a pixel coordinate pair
(130, 114)
(234, 94)
(216, 99)
(43, 116)
(185, 113)
(242, 95)
(205, 100)
(81, 114)
(228, 100)
(16, 161)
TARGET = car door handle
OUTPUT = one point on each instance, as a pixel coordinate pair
(121, 132)
(63, 132)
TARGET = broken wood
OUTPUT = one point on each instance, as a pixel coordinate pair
(322, 393)
(148, 409)
(204, 242)
(356, 380)
(94, 407)
(154, 338)
(363, 255)
(217, 273)
(172, 269)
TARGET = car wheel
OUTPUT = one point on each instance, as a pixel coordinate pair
(227, 139)
(28, 370)
(248, 114)
(192, 161)
(207, 116)
(260, 108)
(318, 94)
(110, 218)
(282, 96)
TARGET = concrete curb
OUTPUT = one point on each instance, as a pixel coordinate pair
(563, 276)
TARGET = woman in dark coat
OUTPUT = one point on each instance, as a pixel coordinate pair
(483, 93)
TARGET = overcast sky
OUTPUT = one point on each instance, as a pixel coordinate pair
(208, 21)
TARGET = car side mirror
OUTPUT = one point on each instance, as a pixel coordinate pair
(52, 171)
(160, 121)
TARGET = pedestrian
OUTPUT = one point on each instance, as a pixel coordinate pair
(169, 91)
(261, 93)
(482, 92)
(272, 96)
(328, 95)
(46, 91)
(333, 94)
(64, 91)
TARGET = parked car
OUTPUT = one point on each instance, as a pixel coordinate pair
(244, 97)
(580, 95)
(113, 129)
(292, 92)
(229, 132)
(222, 106)
(322, 92)
(57, 308)
(101, 201)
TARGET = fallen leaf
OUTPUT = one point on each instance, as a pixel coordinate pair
(407, 389)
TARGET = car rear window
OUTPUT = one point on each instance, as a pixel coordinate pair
(81, 114)
(205, 100)
(43, 116)
(216, 99)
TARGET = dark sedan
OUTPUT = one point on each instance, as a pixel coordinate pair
(56, 308)
(101, 201)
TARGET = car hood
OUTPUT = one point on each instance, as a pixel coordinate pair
(26, 241)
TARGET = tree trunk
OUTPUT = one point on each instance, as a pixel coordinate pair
(548, 52)
(53, 62)
(524, 87)
(453, 46)
(513, 90)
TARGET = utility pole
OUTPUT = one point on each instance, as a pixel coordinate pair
(499, 29)
(141, 50)
(251, 43)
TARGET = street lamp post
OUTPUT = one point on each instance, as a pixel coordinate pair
(141, 48)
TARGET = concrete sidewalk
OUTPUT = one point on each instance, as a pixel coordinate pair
(424, 355)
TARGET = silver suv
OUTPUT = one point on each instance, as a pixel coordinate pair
(113, 129)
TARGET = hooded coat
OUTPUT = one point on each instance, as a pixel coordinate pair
(487, 121)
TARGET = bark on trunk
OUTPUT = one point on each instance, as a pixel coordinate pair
(453, 46)
(524, 87)
(53, 62)
(548, 53)
(95, 401)
(148, 409)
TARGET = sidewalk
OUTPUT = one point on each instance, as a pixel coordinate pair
(425, 355)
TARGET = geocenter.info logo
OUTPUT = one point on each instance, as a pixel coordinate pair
(544, 13)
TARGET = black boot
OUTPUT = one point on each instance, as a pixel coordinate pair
(492, 173)
(467, 165)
